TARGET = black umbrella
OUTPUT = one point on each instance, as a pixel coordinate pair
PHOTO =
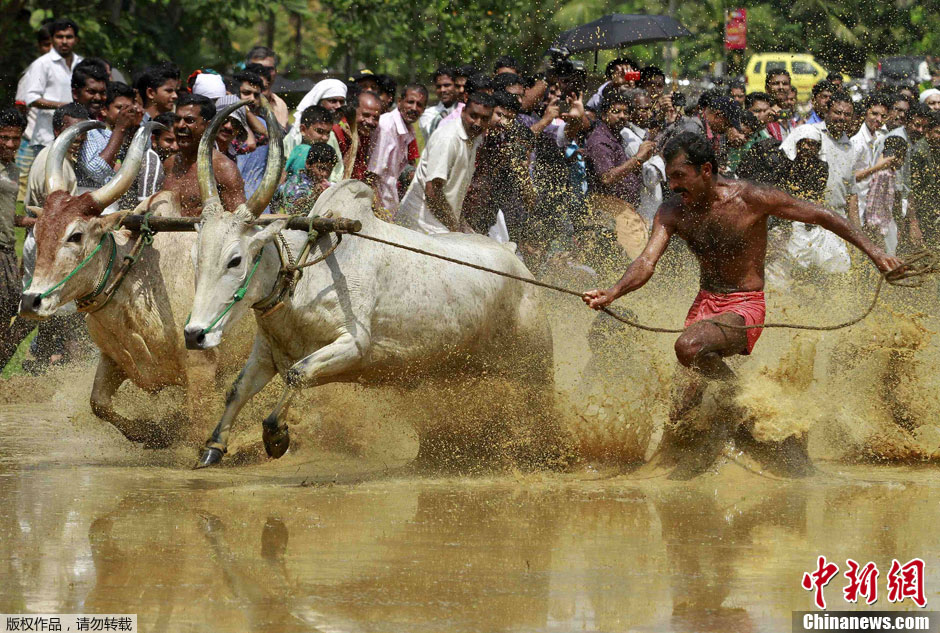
(618, 30)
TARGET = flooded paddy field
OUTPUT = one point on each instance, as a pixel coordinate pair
(347, 533)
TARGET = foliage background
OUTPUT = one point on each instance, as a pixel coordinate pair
(408, 38)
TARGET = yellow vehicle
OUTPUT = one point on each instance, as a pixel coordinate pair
(804, 71)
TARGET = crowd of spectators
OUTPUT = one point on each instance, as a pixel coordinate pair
(535, 158)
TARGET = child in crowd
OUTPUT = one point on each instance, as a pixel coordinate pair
(302, 188)
(163, 142)
(882, 207)
(316, 122)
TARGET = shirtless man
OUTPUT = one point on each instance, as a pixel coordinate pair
(724, 223)
(193, 115)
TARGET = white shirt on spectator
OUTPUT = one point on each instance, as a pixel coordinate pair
(866, 155)
(449, 156)
(631, 137)
(49, 77)
(432, 116)
(651, 193)
(390, 156)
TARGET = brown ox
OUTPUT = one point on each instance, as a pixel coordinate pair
(138, 327)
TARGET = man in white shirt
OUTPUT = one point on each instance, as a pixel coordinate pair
(49, 80)
(394, 144)
(811, 245)
(434, 201)
(866, 142)
(447, 94)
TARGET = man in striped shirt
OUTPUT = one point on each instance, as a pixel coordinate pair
(103, 149)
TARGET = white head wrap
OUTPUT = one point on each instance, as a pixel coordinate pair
(800, 133)
(209, 85)
(926, 94)
(326, 89)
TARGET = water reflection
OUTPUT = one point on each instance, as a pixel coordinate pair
(724, 554)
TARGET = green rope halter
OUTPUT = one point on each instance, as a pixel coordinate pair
(238, 296)
(85, 261)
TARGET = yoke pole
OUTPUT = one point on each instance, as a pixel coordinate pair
(161, 224)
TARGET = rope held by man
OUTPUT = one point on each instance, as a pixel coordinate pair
(918, 265)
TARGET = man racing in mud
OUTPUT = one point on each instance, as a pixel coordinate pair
(724, 223)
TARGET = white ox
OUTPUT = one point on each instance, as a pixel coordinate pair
(367, 313)
(138, 330)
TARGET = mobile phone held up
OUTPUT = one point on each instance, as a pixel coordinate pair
(631, 75)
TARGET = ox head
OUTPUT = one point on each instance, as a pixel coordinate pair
(70, 228)
(229, 247)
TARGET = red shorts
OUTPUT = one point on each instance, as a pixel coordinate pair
(750, 305)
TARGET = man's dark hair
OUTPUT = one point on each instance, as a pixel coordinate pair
(419, 88)
(841, 96)
(248, 77)
(895, 146)
(117, 89)
(920, 110)
(321, 153)
(387, 84)
(749, 119)
(620, 61)
(168, 119)
(503, 99)
(504, 80)
(265, 72)
(443, 71)
(774, 72)
(833, 77)
(155, 76)
(478, 83)
(705, 99)
(736, 84)
(754, 97)
(824, 84)
(316, 114)
(481, 98)
(467, 70)
(506, 61)
(933, 120)
(697, 149)
(11, 117)
(88, 69)
(63, 24)
(262, 52)
(206, 107)
(43, 34)
(877, 99)
(726, 107)
(611, 98)
(648, 73)
(72, 110)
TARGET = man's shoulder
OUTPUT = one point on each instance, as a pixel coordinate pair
(45, 59)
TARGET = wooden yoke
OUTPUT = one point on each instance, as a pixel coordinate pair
(161, 224)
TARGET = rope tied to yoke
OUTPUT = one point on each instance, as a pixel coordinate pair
(909, 274)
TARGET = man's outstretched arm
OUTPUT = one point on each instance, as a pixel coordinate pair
(640, 271)
(776, 203)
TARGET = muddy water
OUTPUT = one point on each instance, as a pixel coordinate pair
(331, 543)
(342, 535)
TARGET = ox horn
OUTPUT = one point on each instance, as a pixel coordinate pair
(272, 170)
(208, 187)
(55, 160)
(126, 175)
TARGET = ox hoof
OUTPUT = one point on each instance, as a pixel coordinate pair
(276, 441)
(209, 457)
